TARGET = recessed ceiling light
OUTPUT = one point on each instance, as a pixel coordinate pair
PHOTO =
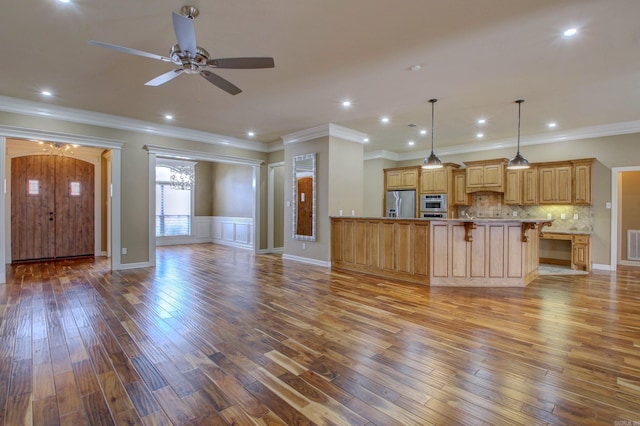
(482, 121)
(415, 67)
(570, 32)
(64, 1)
(384, 119)
(346, 103)
(168, 117)
(423, 132)
(411, 143)
(480, 135)
(250, 134)
(46, 93)
(551, 125)
(366, 139)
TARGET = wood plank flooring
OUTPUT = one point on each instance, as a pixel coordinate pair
(215, 335)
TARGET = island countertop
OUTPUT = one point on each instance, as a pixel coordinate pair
(467, 252)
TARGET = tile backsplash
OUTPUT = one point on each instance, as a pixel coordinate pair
(491, 205)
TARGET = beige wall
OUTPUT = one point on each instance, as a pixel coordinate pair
(278, 206)
(135, 172)
(629, 208)
(346, 177)
(203, 190)
(374, 186)
(610, 151)
(232, 186)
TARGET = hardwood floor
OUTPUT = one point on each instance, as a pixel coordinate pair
(216, 335)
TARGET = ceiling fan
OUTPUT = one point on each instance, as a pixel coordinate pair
(191, 58)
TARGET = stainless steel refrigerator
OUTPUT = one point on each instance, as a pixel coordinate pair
(401, 203)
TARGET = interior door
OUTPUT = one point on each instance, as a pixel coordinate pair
(32, 207)
(52, 207)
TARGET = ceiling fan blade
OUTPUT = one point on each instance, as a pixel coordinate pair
(241, 63)
(225, 85)
(129, 50)
(185, 34)
(163, 78)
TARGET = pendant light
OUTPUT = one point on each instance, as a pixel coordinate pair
(518, 162)
(432, 161)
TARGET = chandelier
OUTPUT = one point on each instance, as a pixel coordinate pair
(181, 177)
(55, 148)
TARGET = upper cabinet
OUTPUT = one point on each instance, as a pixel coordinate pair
(437, 181)
(401, 178)
(521, 187)
(486, 175)
(555, 182)
(460, 195)
(582, 180)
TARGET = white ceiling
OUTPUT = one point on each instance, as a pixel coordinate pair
(476, 56)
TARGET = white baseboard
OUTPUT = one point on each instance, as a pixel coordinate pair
(124, 266)
(630, 263)
(307, 260)
(601, 267)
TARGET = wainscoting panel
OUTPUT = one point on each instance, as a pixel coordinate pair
(229, 231)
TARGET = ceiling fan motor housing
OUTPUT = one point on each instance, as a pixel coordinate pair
(190, 65)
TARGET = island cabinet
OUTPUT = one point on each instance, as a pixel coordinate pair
(437, 181)
(394, 248)
(460, 195)
(401, 178)
(486, 175)
(448, 252)
(555, 183)
(521, 186)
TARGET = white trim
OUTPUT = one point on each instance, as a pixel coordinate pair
(116, 209)
(601, 267)
(152, 208)
(38, 109)
(615, 200)
(134, 265)
(22, 133)
(187, 154)
(322, 130)
(307, 260)
(630, 263)
(256, 207)
(3, 196)
(271, 207)
(233, 231)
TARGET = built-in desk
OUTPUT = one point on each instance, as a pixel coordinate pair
(453, 252)
(579, 256)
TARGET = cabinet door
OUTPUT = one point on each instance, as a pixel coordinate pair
(394, 180)
(513, 190)
(409, 178)
(475, 176)
(582, 182)
(547, 184)
(460, 196)
(555, 185)
(580, 256)
(563, 178)
(493, 175)
(529, 195)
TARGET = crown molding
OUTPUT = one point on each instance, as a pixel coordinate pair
(23, 133)
(323, 130)
(186, 154)
(613, 129)
(382, 154)
(38, 109)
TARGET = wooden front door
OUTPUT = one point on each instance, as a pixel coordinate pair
(52, 207)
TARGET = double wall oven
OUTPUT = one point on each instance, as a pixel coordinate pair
(433, 206)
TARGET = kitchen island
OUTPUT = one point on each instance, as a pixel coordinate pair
(443, 252)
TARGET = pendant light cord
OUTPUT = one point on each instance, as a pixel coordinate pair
(519, 102)
(433, 101)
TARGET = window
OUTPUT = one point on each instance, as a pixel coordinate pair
(173, 206)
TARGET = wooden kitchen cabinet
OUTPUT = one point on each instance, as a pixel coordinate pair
(580, 249)
(487, 175)
(582, 181)
(521, 186)
(437, 181)
(460, 195)
(555, 183)
(401, 178)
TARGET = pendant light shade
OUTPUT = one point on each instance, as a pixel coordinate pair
(432, 161)
(518, 162)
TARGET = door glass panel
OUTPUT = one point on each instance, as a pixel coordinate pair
(74, 189)
(33, 187)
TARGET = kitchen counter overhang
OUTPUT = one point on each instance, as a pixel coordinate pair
(447, 252)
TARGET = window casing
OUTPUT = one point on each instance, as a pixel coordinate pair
(173, 206)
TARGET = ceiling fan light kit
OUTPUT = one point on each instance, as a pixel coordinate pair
(191, 58)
